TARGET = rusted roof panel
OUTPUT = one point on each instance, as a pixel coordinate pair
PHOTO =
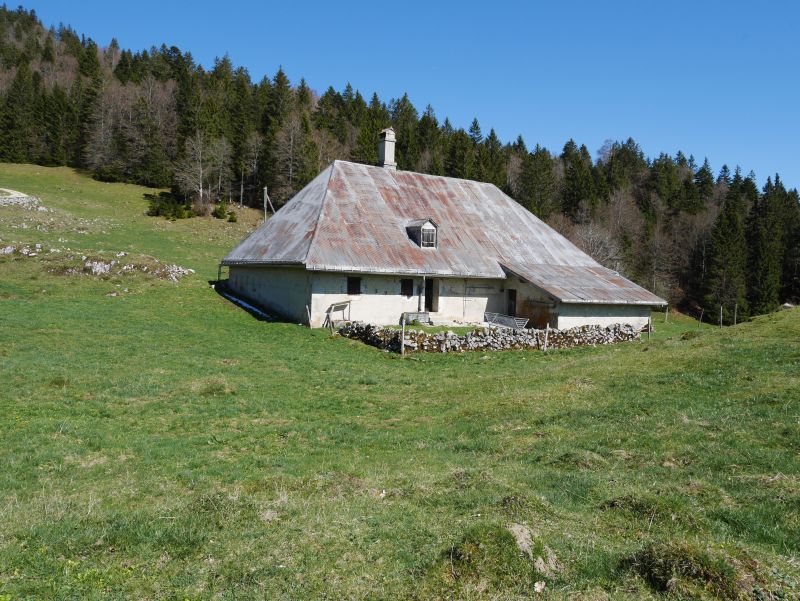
(286, 237)
(584, 284)
(353, 218)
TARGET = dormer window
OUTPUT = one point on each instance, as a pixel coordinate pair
(428, 238)
(424, 232)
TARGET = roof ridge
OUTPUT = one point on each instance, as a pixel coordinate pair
(324, 200)
(399, 171)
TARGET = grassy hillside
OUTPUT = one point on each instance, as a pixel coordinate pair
(161, 443)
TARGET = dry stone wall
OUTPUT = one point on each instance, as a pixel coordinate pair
(486, 338)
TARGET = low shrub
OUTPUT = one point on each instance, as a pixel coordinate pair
(221, 210)
(165, 204)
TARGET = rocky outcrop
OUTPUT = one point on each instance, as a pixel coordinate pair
(73, 264)
(12, 198)
(486, 338)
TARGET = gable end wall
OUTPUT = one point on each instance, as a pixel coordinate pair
(284, 291)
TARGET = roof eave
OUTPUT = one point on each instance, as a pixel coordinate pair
(659, 303)
(394, 271)
(273, 262)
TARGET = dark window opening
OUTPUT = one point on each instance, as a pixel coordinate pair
(512, 302)
(432, 295)
(407, 287)
(353, 286)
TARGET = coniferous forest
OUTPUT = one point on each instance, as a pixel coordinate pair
(706, 240)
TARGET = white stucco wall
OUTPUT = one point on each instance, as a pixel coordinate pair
(287, 290)
(380, 300)
(284, 290)
(573, 315)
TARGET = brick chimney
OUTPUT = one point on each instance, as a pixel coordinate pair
(386, 149)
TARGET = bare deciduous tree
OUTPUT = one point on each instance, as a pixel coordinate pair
(192, 172)
(219, 154)
(288, 155)
(252, 156)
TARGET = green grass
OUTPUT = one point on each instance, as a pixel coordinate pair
(164, 444)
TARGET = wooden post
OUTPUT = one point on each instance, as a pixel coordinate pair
(403, 335)
(701, 318)
(666, 314)
(649, 325)
(308, 312)
(735, 312)
(546, 334)
(720, 315)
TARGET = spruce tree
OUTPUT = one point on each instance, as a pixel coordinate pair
(704, 181)
(376, 119)
(538, 183)
(430, 137)
(790, 279)
(625, 166)
(766, 248)
(17, 118)
(460, 161)
(726, 284)
(475, 133)
(578, 190)
(404, 121)
(493, 166)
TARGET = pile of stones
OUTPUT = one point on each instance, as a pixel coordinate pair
(113, 267)
(31, 203)
(83, 265)
(486, 338)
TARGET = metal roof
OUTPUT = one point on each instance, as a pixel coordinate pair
(353, 218)
(577, 284)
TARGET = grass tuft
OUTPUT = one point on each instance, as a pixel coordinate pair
(688, 570)
(485, 561)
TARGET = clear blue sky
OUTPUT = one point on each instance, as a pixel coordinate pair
(711, 78)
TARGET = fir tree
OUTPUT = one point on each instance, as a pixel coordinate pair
(475, 132)
(625, 165)
(790, 279)
(17, 118)
(377, 118)
(704, 181)
(460, 161)
(493, 161)
(765, 246)
(538, 183)
(578, 193)
(404, 121)
(726, 285)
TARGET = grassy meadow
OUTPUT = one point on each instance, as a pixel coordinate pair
(160, 443)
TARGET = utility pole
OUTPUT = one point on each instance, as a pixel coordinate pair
(267, 201)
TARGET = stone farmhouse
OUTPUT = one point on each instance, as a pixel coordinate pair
(372, 243)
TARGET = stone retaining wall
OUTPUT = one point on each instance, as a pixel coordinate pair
(486, 338)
